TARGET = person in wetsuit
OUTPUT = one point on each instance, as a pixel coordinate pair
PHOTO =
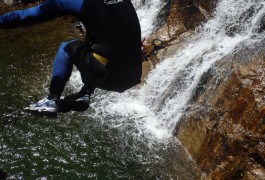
(109, 58)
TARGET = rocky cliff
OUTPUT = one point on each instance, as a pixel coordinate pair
(223, 127)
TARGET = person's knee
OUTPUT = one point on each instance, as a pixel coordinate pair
(73, 49)
(72, 46)
(63, 45)
(62, 55)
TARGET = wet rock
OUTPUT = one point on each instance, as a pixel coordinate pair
(180, 19)
(224, 126)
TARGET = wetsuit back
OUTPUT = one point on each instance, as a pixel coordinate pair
(113, 30)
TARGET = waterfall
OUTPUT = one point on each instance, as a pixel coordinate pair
(122, 135)
(153, 110)
(170, 85)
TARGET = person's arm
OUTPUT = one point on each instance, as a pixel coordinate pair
(48, 10)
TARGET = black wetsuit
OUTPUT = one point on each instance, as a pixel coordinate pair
(113, 31)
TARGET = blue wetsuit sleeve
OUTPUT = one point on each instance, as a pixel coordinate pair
(48, 10)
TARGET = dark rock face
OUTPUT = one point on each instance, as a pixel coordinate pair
(193, 12)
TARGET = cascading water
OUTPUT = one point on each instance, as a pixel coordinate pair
(122, 136)
(170, 86)
(156, 107)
